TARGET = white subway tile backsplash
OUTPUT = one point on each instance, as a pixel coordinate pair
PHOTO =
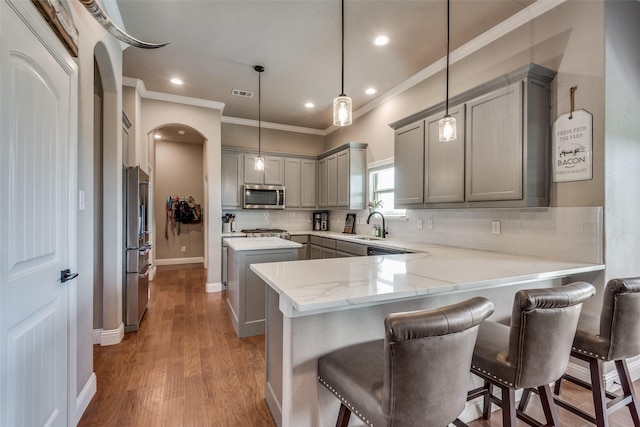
(572, 233)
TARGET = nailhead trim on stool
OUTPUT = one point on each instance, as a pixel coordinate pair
(354, 410)
(488, 374)
(588, 353)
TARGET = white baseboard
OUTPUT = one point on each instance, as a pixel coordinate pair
(97, 336)
(152, 272)
(111, 336)
(174, 261)
(214, 287)
(84, 398)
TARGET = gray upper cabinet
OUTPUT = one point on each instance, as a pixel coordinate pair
(494, 145)
(444, 161)
(308, 189)
(332, 180)
(300, 183)
(342, 177)
(231, 171)
(292, 183)
(426, 170)
(501, 155)
(322, 183)
(344, 180)
(273, 173)
(408, 153)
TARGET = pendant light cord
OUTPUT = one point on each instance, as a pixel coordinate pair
(259, 111)
(447, 84)
(342, 82)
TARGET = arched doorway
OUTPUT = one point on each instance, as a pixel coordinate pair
(177, 159)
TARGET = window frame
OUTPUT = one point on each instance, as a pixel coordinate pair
(372, 170)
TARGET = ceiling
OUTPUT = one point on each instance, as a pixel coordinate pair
(214, 45)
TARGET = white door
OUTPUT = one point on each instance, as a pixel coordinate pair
(36, 191)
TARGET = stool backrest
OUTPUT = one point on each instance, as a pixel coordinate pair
(620, 317)
(427, 361)
(543, 324)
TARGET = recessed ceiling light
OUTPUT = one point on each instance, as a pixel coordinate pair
(176, 81)
(157, 136)
(309, 105)
(381, 40)
(181, 132)
(370, 91)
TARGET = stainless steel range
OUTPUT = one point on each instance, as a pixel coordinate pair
(267, 232)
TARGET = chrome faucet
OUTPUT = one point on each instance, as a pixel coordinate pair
(384, 230)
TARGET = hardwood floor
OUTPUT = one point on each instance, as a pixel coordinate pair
(186, 367)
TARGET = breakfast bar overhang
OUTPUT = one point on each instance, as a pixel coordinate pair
(317, 306)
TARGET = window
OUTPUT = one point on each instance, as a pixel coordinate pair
(381, 188)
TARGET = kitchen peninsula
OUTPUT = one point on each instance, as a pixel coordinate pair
(317, 306)
(245, 291)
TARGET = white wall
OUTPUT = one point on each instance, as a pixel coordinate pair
(622, 134)
(108, 51)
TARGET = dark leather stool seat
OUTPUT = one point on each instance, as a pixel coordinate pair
(532, 352)
(416, 376)
(612, 336)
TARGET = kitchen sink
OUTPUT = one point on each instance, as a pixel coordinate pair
(368, 238)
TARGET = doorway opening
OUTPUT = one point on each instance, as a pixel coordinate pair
(178, 163)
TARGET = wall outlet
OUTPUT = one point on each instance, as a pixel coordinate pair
(419, 224)
(495, 227)
(183, 249)
(429, 224)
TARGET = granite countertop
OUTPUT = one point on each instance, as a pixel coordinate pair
(261, 243)
(316, 286)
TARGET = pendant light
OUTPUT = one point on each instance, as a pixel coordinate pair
(259, 160)
(447, 124)
(342, 103)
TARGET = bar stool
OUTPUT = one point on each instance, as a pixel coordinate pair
(532, 352)
(416, 376)
(612, 336)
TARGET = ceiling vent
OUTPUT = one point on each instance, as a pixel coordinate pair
(243, 93)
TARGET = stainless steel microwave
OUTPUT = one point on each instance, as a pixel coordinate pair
(263, 197)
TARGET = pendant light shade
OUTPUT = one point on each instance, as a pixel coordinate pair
(342, 110)
(447, 129)
(342, 115)
(259, 165)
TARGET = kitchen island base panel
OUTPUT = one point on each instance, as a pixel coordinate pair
(246, 293)
(292, 391)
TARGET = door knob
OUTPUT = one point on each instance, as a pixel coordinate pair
(66, 275)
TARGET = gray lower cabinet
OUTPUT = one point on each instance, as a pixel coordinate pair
(350, 249)
(232, 180)
(315, 251)
(246, 292)
(303, 252)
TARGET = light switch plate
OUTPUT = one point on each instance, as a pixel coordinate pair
(495, 227)
(419, 223)
(429, 224)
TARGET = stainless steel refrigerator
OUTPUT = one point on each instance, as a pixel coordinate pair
(137, 247)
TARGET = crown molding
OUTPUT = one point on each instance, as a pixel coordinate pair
(167, 97)
(269, 125)
(521, 18)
